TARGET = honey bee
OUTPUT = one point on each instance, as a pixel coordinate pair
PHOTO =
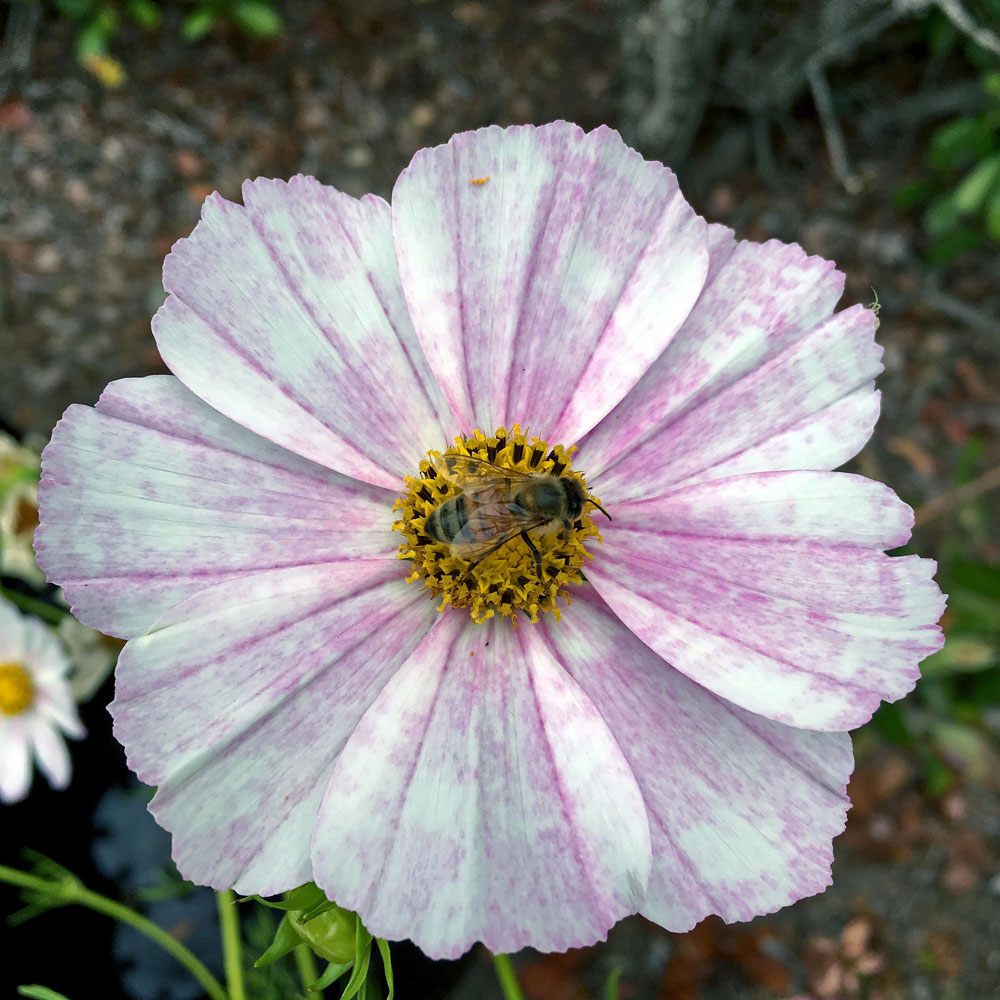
(498, 504)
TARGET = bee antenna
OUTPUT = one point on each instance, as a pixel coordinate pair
(600, 508)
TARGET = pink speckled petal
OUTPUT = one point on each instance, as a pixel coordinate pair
(742, 810)
(288, 317)
(542, 295)
(239, 701)
(772, 591)
(760, 377)
(154, 495)
(482, 798)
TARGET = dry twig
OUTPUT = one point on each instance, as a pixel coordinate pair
(957, 497)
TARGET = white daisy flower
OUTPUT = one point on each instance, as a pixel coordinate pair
(36, 704)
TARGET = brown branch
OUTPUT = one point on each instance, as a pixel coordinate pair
(957, 497)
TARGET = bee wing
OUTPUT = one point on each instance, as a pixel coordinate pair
(488, 527)
(472, 475)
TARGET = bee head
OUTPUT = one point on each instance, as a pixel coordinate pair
(575, 497)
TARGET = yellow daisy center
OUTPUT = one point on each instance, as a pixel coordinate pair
(17, 692)
(483, 569)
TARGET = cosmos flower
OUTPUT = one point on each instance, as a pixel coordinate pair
(35, 704)
(664, 730)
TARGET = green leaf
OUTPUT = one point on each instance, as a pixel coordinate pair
(951, 245)
(993, 215)
(92, 40)
(980, 578)
(362, 959)
(991, 83)
(961, 654)
(257, 18)
(145, 13)
(938, 778)
(304, 897)
(966, 746)
(611, 984)
(75, 10)
(971, 194)
(108, 19)
(983, 688)
(913, 193)
(942, 216)
(198, 24)
(890, 723)
(960, 141)
(286, 939)
(40, 993)
(383, 947)
(331, 975)
(941, 34)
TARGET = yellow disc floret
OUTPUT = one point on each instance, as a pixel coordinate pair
(509, 578)
(17, 692)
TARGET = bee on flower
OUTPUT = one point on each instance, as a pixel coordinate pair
(318, 588)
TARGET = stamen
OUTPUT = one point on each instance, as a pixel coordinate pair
(17, 692)
(508, 579)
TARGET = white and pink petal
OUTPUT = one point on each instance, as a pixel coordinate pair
(742, 810)
(542, 295)
(482, 798)
(759, 377)
(239, 700)
(153, 496)
(773, 591)
(286, 314)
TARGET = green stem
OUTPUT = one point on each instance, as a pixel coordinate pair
(42, 609)
(508, 978)
(73, 892)
(305, 961)
(229, 921)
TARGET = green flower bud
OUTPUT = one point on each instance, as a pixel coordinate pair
(331, 933)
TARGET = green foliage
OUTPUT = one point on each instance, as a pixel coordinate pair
(40, 993)
(99, 21)
(943, 722)
(334, 934)
(961, 197)
(611, 984)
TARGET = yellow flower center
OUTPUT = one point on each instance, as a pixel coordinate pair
(514, 542)
(16, 690)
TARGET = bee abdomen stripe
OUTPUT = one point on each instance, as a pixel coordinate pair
(453, 517)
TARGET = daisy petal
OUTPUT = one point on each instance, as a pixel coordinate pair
(482, 798)
(236, 705)
(53, 757)
(12, 632)
(15, 759)
(760, 377)
(771, 590)
(573, 240)
(742, 810)
(296, 299)
(154, 496)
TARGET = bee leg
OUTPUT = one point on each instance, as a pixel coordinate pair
(536, 555)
